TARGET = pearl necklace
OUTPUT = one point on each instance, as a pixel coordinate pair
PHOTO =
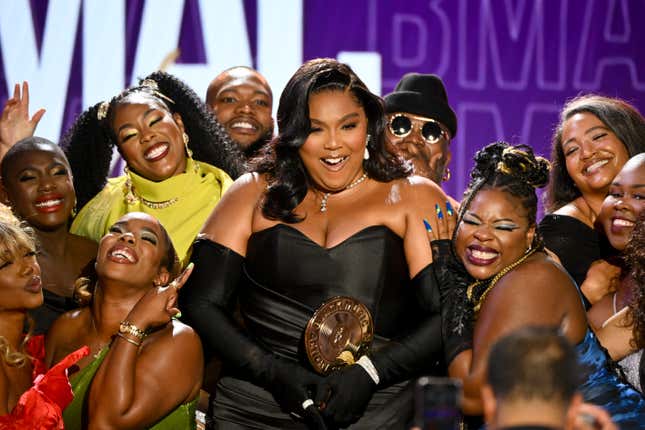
(323, 201)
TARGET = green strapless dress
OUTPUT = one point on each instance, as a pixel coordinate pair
(75, 416)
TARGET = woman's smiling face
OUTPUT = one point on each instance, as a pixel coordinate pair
(593, 153)
(149, 137)
(333, 151)
(493, 234)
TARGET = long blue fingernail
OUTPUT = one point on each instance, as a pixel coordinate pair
(449, 209)
(439, 213)
(427, 226)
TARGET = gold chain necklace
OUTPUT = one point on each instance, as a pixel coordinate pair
(323, 201)
(131, 196)
(504, 271)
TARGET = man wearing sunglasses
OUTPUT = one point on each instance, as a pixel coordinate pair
(421, 124)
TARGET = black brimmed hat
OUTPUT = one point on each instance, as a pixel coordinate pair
(423, 95)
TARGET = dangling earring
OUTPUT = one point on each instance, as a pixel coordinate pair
(366, 154)
(73, 214)
(189, 152)
(446, 175)
(130, 197)
(529, 249)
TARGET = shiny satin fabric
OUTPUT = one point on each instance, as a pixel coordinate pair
(286, 278)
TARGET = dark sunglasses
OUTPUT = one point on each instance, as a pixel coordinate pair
(401, 125)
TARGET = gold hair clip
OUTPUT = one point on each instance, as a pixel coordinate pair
(154, 87)
(103, 111)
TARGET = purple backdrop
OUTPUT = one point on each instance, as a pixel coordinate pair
(508, 65)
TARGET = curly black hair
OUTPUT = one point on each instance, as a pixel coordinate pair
(288, 179)
(513, 169)
(89, 143)
(620, 117)
(635, 259)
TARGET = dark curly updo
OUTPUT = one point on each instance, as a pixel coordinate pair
(90, 141)
(513, 169)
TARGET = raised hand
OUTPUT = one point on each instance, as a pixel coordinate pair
(452, 278)
(15, 123)
(159, 304)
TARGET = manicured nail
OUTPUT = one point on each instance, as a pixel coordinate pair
(449, 209)
(190, 265)
(439, 213)
(427, 226)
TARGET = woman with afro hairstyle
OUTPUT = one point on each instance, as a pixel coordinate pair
(179, 159)
(495, 278)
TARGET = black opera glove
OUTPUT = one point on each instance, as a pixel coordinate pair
(291, 384)
(344, 395)
(207, 302)
(413, 354)
(350, 389)
(457, 318)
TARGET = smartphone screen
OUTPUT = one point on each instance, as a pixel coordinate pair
(437, 403)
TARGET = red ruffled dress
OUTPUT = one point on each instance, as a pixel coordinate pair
(41, 407)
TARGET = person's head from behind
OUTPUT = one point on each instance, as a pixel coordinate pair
(331, 132)
(37, 183)
(497, 219)
(421, 124)
(593, 139)
(20, 283)
(624, 203)
(137, 251)
(242, 101)
(533, 369)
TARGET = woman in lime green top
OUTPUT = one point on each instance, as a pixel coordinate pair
(156, 127)
(145, 368)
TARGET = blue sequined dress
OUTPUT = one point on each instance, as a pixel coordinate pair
(601, 386)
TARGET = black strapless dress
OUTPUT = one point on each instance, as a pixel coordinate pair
(286, 278)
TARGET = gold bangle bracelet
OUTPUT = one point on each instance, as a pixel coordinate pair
(128, 328)
(127, 339)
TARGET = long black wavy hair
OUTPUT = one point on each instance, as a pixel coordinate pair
(89, 143)
(620, 117)
(288, 179)
(512, 169)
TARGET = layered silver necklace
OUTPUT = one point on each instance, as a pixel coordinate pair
(323, 201)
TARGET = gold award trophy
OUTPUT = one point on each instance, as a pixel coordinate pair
(338, 334)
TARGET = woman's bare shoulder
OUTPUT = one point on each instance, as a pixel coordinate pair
(69, 325)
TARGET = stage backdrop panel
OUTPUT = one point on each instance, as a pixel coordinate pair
(508, 65)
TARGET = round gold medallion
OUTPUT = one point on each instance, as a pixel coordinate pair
(338, 333)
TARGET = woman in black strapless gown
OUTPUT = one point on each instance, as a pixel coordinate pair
(329, 212)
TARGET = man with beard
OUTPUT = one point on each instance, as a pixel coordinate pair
(241, 99)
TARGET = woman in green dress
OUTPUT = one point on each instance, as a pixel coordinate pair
(145, 368)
